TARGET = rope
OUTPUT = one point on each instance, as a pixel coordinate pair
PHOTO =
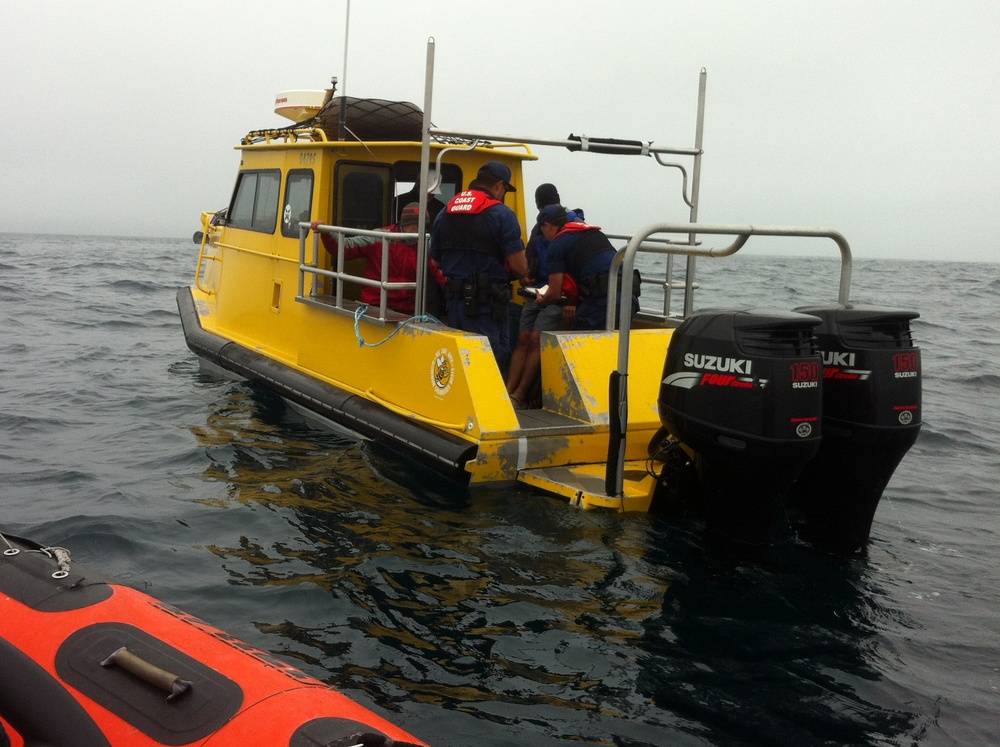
(59, 554)
(362, 342)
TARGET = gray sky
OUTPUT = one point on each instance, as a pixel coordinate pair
(878, 119)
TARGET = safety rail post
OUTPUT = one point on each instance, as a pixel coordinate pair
(308, 267)
(425, 157)
(383, 296)
(689, 276)
(668, 285)
(301, 285)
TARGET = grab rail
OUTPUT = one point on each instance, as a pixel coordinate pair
(338, 275)
(664, 282)
(206, 224)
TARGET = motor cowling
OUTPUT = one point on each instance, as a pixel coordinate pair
(871, 417)
(742, 389)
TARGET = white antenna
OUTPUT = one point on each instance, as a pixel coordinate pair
(343, 76)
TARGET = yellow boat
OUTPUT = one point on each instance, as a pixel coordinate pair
(622, 420)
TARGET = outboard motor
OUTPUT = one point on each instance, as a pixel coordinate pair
(742, 390)
(871, 417)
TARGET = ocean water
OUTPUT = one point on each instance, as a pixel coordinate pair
(489, 617)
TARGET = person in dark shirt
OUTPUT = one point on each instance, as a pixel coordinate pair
(581, 253)
(476, 243)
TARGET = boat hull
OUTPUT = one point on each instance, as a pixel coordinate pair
(436, 449)
(450, 411)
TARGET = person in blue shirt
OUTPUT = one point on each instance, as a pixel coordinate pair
(581, 255)
(476, 242)
(525, 363)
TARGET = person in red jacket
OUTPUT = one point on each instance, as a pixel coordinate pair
(402, 260)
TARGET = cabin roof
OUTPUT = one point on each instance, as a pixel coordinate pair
(371, 124)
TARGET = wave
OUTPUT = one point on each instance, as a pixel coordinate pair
(130, 286)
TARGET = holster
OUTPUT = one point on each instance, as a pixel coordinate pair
(477, 292)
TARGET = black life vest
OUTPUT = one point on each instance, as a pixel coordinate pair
(464, 226)
(589, 243)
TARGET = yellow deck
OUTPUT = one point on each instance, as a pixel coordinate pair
(583, 485)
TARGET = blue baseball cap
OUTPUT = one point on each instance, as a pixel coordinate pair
(551, 213)
(499, 171)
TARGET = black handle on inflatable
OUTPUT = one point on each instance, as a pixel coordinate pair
(161, 678)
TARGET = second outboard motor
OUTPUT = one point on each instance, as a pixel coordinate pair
(742, 390)
(871, 417)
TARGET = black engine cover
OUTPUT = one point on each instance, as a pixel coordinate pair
(871, 417)
(743, 390)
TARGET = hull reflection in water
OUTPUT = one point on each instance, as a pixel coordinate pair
(491, 603)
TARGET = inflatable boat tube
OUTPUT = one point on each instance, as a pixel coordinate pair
(88, 662)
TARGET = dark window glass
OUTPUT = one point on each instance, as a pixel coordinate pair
(298, 201)
(241, 213)
(265, 211)
(255, 202)
(363, 196)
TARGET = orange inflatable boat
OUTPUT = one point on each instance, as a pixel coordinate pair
(85, 662)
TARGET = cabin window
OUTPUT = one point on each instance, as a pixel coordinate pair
(362, 199)
(255, 202)
(298, 201)
(406, 177)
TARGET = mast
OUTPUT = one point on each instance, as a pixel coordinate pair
(343, 88)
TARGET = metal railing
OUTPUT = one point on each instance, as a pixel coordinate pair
(582, 143)
(310, 270)
(625, 262)
(664, 281)
(208, 251)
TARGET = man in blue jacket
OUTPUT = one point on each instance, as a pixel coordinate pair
(583, 254)
(476, 241)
